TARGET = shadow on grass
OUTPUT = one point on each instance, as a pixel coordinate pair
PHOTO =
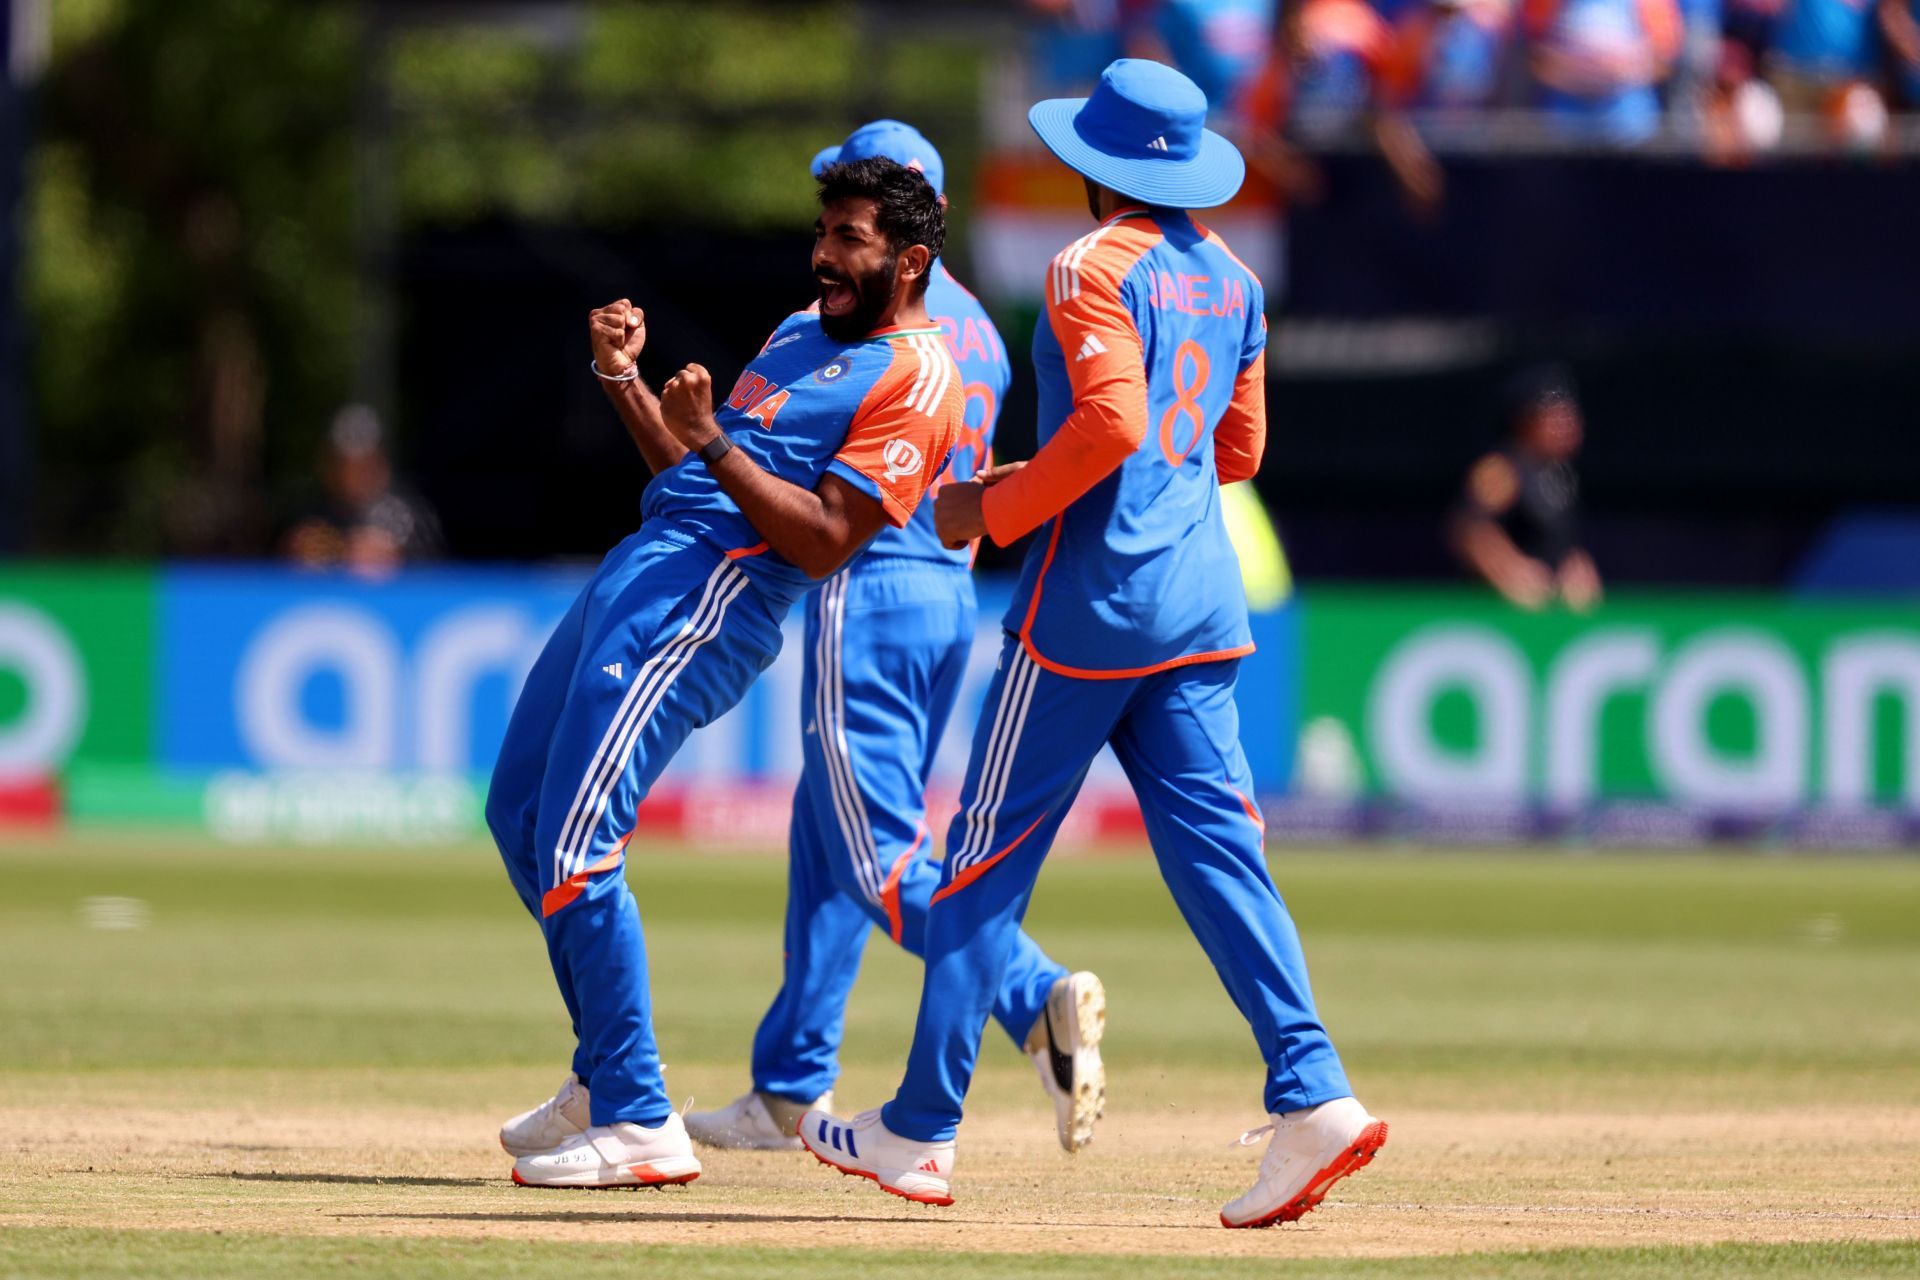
(737, 1219)
(352, 1179)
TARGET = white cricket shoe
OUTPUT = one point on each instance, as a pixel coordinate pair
(754, 1122)
(551, 1123)
(1065, 1047)
(1311, 1150)
(864, 1147)
(614, 1155)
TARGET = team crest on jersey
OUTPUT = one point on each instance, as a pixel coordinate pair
(833, 370)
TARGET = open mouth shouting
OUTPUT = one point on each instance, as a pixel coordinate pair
(837, 296)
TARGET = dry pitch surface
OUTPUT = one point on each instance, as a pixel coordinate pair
(314, 1049)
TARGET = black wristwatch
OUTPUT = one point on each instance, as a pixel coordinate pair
(715, 449)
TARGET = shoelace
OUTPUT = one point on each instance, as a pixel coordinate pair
(1252, 1136)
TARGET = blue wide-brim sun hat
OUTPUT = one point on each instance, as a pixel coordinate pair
(1142, 133)
(894, 139)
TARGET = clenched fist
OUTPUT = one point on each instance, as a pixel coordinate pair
(959, 514)
(686, 403)
(618, 332)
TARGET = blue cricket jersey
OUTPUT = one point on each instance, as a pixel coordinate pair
(1151, 375)
(882, 413)
(985, 376)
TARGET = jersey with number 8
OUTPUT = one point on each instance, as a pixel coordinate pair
(1150, 364)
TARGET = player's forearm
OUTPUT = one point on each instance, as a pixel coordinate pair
(1485, 547)
(1057, 477)
(639, 411)
(796, 523)
(1240, 439)
(1096, 439)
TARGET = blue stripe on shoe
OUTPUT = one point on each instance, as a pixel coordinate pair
(836, 1139)
(851, 1149)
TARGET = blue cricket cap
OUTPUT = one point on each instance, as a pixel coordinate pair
(1143, 133)
(898, 142)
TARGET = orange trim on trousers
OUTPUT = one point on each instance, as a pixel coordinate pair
(890, 891)
(576, 884)
(979, 869)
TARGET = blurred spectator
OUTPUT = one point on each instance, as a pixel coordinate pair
(1599, 64)
(1220, 44)
(1696, 73)
(1900, 23)
(1452, 55)
(360, 520)
(1076, 39)
(1742, 114)
(1822, 53)
(1332, 69)
(1518, 522)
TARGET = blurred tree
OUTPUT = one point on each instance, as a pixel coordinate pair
(191, 270)
(217, 187)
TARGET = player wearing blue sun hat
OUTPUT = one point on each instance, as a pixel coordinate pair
(1126, 631)
(887, 646)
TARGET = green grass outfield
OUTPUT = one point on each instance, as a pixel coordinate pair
(33, 1254)
(1453, 981)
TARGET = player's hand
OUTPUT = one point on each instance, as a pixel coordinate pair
(1579, 582)
(686, 403)
(958, 514)
(1526, 583)
(618, 331)
(994, 475)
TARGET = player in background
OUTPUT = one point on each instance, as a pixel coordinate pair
(1517, 523)
(887, 643)
(1126, 630)
(836, 428)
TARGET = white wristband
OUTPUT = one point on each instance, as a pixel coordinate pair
(631, 375)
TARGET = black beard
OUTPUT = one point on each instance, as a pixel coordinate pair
(871, 294)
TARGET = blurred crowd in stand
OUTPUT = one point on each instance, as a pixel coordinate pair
(1726, 78)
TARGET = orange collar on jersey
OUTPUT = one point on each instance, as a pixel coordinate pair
(901, 331)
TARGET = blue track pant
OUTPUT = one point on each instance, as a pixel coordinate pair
(887, 643)
(1177, 735)
(667, 636)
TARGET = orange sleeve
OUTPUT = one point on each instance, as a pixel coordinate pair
(904, 429)
(1108, 374)
(1404, 65)
(1241, 438)
(1661, 19)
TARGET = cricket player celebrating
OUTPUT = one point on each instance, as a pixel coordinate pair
(1126, 630)
(837, 427)
(887, 643)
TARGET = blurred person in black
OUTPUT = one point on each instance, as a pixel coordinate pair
(360, 520)
(1518, 521)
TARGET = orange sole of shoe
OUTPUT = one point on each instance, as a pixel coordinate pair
(1353, 1159)
(942, 1201)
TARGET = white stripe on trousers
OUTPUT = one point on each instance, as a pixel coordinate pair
(1016, 696)
(650, 684)
(996, 739)
(830, 714)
